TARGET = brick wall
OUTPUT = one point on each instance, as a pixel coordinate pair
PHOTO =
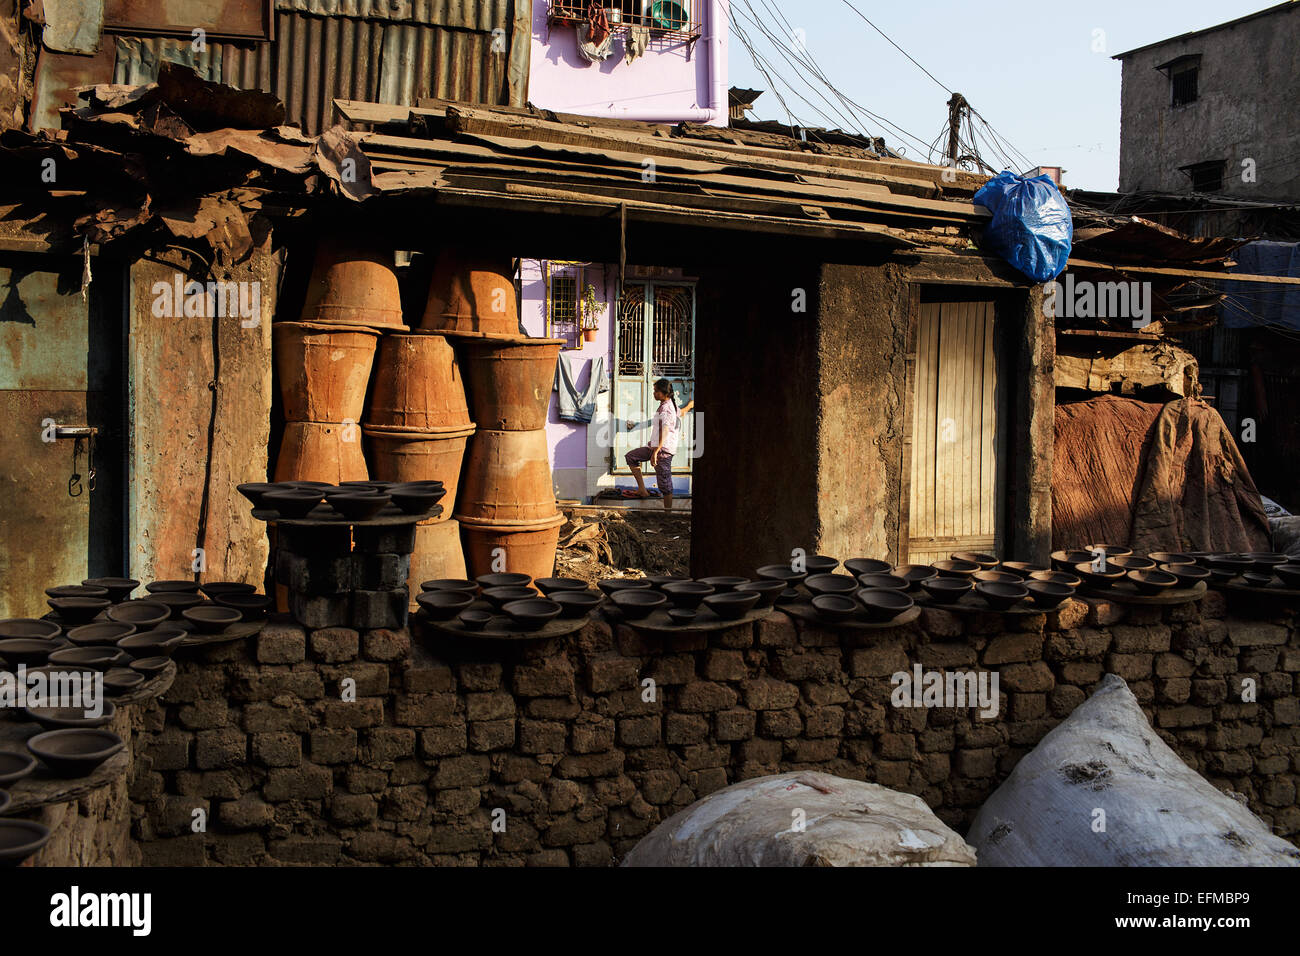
(556, 740)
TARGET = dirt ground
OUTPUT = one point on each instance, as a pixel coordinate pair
(617, 544)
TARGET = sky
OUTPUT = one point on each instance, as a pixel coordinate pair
(1040, 74)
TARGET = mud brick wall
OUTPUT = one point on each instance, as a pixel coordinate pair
(559, 737)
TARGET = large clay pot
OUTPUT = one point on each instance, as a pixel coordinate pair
(437, 554)
(419, 384)
(353, 285)
(406, 454)
(321, 451)
(323, 370)
(527, 547)
(510, 382)
(471, 294)
(507, 477)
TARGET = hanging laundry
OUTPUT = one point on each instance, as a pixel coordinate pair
(572, 403)
(638, 38)
(595, 41)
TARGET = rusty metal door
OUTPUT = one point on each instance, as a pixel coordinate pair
(61, 405)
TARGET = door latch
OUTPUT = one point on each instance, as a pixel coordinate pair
(83, 443)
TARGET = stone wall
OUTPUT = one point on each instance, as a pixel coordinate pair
(561, 737)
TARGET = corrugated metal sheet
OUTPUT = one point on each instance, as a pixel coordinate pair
(138, 59)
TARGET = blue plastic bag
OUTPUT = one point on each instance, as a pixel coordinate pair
(1031, 226)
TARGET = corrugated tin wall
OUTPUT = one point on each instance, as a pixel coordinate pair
(381, 51)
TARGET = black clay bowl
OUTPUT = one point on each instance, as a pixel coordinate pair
(1112, 550)
(1021, 569)
(1171, 557)
(251, 607)
(359, 506)
(77, 590)
(659, 580)
(987, 562)
(550, 585)
(143, 614)
(883, 604)
(1132, 562)
(610, 585)
(1219, 576)
(95, 658)
(450, 584)
(64, 718)
(789, 596)
(101, 632)
(1289, 573)
(1068, 578)
(996, 577)
(637, 603)
(532, 614)
(32, 651)
(914, 574)
(831, 584)
(1048, 594)
(1202, 558)
(835, 607)
(1257, 580)
(724, 582)
(731, 605)
(1000, 595)
(368, 484)
(1066, 560)
(781, 572)
(79, 610)
(575, 603)
(1235, 563)
(150, 667)
(682, 616)
(1188, 575)
(119, 589)
(20, 839)
(211, 618)
(28, 627)
(820, 563)
(1099, 579)
(688, 594)
(215, 590)
(947, 590)
(293, 502)
(74, 753)
(256, 492)
(431, 485)
(444, 605)
(172, 586)
(176, 602)
(121, 680)
(14, 766)
(321, 486)
(160, 642)
(767, 591)
(857, 566)
(506, 579)
(956, 569)
(1266, 561)
(474, 620)
(416, 501)
(500, 597)
(889, 582)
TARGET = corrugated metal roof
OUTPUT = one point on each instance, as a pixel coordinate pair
(480, 15)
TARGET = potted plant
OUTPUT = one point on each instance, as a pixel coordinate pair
(592, 310)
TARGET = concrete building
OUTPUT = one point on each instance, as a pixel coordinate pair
(1213, 111)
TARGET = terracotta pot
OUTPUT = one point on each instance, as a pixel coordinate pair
(407, 454)
(323, 370)
(352, 285)
(507, 477)
(437, 554)
(419, 384)
(510, 382)
(589, 335)
(471, 294)
(527, 547)
(321, 451)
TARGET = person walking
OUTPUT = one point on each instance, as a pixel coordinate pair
(662, 447)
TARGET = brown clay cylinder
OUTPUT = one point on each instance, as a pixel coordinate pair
(419, 455)
(321, 451)
(471, 294)
(419, 384)
(323, 370)
(507, 477)
(438, 554)
(353, 285)
(510, 382)
(522, 547)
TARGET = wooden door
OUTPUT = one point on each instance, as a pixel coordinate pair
(955, 441)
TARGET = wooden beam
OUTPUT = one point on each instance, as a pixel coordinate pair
(1186, 273)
